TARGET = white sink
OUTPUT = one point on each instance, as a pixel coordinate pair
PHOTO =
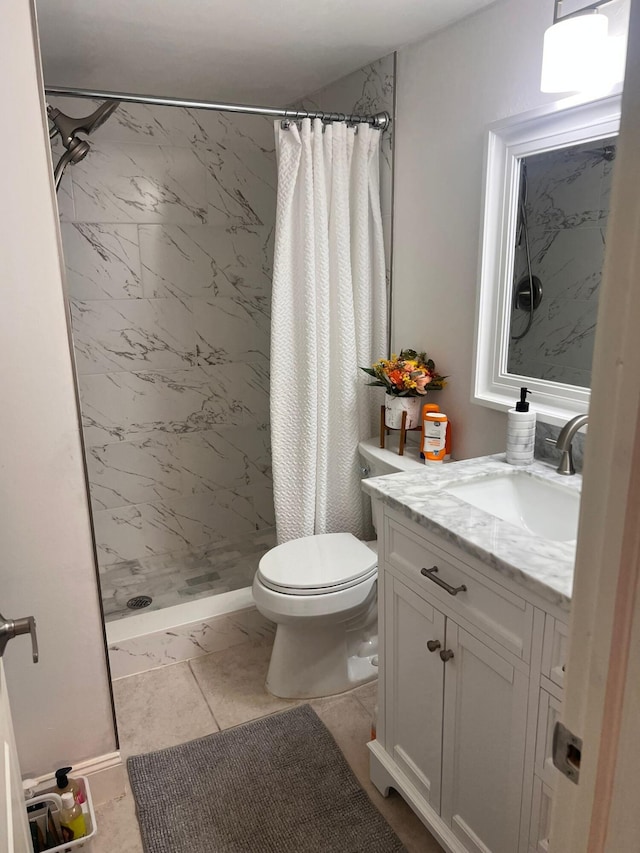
(543, 508)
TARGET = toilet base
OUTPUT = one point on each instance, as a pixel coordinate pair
(308, 662)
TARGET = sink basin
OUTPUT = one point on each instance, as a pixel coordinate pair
(543, 508)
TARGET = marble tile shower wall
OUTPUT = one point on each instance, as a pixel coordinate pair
(167, 229)
(567, 211)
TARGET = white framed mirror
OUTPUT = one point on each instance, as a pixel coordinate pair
(547, 181)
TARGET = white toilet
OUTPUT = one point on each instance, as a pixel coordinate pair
(321, 593)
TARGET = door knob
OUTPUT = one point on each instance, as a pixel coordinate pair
(445, 655)
(433, 645)
(10, 628)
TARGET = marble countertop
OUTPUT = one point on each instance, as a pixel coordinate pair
(542, 565)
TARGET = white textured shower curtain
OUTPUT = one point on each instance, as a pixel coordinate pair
(329, 316)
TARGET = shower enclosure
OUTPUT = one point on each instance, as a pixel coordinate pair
(167, 228)
(167, 231)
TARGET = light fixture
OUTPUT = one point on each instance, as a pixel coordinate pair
(577, 55)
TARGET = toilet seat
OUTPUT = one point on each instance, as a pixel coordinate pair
(317, 565)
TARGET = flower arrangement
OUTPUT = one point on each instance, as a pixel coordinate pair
(410, 374)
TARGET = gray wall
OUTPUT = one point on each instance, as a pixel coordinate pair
(450, 88)
(61, 706)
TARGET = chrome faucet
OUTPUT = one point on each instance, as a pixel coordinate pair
(563, 443)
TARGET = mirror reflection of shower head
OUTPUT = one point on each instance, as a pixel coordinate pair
(69, 128)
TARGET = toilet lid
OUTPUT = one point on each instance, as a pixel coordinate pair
(327, 561)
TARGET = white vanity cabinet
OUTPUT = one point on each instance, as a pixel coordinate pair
(465, 709)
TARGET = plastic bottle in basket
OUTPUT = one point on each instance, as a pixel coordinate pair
(72, 823)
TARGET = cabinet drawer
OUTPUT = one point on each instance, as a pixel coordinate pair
(554, 650)
(499, 613)
(548, 714)
(540, 817)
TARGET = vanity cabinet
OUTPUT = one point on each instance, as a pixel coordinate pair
(466, 712)
(414, 717)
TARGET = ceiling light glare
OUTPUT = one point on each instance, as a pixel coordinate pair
(575, 54)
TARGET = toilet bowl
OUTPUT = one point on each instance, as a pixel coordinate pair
(321, 591)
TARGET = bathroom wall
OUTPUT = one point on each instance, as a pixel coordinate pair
(568, 195)
(61, 705)
(449, 88)
(167, 228)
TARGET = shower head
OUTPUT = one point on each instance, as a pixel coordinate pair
(77, 150)
(68, 127)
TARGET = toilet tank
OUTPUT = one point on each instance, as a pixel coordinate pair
(376, 461)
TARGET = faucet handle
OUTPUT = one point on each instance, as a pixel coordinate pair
(552, 441)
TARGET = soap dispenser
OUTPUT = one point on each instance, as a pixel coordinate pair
(521, 432)
(64, 784)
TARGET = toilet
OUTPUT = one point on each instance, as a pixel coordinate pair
(321, 591)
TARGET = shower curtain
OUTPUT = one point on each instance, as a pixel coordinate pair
(329, 316)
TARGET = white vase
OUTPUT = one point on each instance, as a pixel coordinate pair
(394, 407)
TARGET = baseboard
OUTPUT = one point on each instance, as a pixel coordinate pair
(107, 776)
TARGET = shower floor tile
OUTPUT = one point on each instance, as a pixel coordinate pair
(185, 576)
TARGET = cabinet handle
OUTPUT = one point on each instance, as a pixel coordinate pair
(445, 655)
(452, 590)
(433, 645)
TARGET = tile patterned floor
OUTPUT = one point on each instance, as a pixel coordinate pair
(176, 703)
(175, 578)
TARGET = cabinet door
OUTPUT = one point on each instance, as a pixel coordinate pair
(485, 714)
(414, 685)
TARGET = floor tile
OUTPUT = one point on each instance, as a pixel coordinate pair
(233, 684)
(166, 706)
(350, 725)
(117, 827)
(160, 708)
(367, 695)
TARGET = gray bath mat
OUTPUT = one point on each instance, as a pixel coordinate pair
(277, 785)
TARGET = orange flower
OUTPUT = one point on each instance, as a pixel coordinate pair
(407, 374)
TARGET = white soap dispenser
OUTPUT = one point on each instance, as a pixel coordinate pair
(521, 432)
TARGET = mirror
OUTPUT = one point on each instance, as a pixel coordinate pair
(546, 204)
(558, 254)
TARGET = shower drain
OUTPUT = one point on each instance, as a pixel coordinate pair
(139, 601)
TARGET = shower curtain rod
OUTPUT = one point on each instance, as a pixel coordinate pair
(380, 121)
